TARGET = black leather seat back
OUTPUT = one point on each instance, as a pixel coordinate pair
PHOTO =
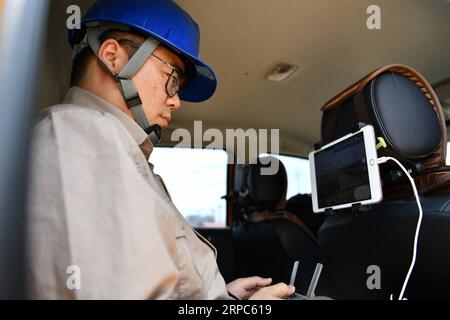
(301, 205)
(384, 237)
(270, 248)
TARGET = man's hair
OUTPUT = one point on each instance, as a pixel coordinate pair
(130, 42)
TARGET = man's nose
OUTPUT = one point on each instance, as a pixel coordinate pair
(174, 102)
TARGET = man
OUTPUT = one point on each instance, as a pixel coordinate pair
(101, 223)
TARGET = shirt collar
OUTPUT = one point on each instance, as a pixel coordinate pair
(79, 96)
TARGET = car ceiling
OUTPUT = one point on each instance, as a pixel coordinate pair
(243, 40)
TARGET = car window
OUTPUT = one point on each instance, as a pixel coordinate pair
(196, 180)
(298, 175)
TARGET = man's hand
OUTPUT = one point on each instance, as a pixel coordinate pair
(275, 292)
(244, 288)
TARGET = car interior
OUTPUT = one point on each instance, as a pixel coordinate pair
(314, 71)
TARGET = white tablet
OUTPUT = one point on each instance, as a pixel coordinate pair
(345, 172)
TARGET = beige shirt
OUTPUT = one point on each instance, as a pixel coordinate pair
(101, 225)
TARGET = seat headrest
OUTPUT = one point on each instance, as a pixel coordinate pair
(402, 107)
(259, 192)
(406, 113)
(407, 116)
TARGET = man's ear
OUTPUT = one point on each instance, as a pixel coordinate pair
(113, 55)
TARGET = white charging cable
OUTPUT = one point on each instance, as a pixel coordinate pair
(419, 222)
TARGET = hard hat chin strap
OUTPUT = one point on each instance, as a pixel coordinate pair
(127, 88)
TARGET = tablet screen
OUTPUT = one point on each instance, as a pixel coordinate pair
(342, 174)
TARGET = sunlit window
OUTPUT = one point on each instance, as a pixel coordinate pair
(196, 180)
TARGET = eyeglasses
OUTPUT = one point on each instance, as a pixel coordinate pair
(174, 82)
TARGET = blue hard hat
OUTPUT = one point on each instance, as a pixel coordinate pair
(168, 23)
